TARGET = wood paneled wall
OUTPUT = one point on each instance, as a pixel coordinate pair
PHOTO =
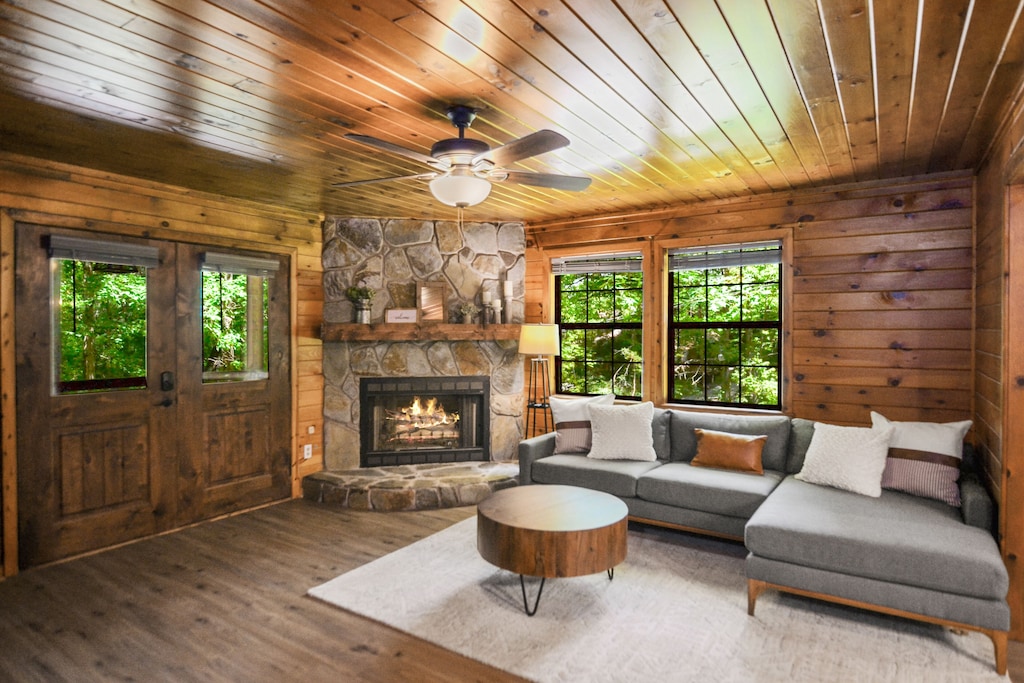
(55, 194)
(882, 309)
(999, 341)
(881, 292)
(988, 351)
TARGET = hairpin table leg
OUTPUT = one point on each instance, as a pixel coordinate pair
(526, 605)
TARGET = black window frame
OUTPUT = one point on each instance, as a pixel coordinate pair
(609, 265)
(731, 255)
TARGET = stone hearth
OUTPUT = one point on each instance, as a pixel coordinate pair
(410, 487)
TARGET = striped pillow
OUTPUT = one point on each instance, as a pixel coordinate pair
(924, 458)
(572, 421)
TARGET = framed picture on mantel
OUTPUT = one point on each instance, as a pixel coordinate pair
(400, 315)
(431, 299)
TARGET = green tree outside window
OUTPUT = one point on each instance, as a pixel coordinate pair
(600, 317)
(234, 326)
(101, 326)
(725, 326)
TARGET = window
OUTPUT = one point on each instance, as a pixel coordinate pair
(599, 310)
(725, 325)
(235, 317)
(100, 313)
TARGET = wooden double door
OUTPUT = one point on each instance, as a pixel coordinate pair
(101, 467)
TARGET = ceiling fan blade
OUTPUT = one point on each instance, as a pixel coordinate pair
(418, 176)
(397, 149)
(527, 146)
(552, 180)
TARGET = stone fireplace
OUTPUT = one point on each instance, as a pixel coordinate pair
(392, 257)
(414, 420)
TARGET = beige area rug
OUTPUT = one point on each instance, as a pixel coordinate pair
(675, 611)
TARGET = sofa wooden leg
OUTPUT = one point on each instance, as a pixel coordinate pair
(999, 642)
(754, 590)
(1000, 639)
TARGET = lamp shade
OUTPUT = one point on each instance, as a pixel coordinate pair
(460, 189)
(538, 340)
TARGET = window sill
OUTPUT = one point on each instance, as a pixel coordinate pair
(728, 410)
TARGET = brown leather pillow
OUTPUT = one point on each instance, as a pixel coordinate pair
(739, 452)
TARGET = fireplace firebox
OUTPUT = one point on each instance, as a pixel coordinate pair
(413, 420)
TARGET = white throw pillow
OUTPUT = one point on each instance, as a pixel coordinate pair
(622, 432)
(924, 458)
(848, 458)
(572, 421)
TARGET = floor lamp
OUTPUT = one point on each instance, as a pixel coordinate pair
(540, 341)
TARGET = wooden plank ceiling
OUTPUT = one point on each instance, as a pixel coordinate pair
(664, 101)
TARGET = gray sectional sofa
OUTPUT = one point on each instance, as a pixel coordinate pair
(898, 554)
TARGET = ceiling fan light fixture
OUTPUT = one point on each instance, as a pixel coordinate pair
(460, 188)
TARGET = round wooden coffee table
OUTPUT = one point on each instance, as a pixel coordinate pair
(551, 531)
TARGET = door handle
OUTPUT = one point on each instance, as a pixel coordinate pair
(167, 381)
(166, 403)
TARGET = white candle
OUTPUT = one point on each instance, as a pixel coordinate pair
(485, 297)
(507, 288)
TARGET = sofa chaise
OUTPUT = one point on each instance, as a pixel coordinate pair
(897, 553)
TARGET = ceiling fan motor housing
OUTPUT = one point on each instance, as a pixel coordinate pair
(460, 146)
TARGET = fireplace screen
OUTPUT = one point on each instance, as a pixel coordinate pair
(423, 419)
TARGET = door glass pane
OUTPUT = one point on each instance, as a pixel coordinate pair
(99, 326)
(235, 310)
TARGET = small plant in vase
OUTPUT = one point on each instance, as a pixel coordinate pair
(362, 297)
(468, 312)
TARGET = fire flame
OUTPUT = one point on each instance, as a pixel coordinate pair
(424, 416)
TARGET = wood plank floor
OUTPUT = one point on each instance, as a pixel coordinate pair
(225, 601)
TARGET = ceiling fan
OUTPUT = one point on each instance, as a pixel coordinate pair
(465, 168)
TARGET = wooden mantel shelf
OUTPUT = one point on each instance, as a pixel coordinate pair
(335, 332)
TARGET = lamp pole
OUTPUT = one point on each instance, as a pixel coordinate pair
(539, 394)
(540, 341)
